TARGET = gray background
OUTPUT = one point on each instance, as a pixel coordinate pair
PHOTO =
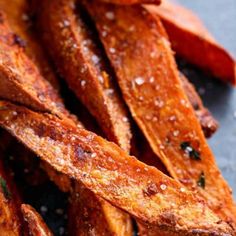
(219, 17)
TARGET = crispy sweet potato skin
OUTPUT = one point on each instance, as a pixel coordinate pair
(18, 13)
(89, 214)
(149, 80)
(207, 121)
(191, 40)
(84, 66)
(36, 225)
(109, 172)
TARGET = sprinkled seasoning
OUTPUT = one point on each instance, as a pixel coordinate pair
(139, 80)
(95, 59)
(151, 190)
(163, 187)
(19, 41)
(112, 50)
(176, 133)
(4, 188)
(202, 180)
(110, 15)
(188, 149)
(83, 82)
(159, 103)
(125, 119)
(151, 79)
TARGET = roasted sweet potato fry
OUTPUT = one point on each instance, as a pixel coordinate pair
(21, 80)
(207, 121)
(149, 80)
(34, 86)
(36, 225)
(10, 218)
(191, 40)
(81, 62)
(18, 13)
(89, 214)
(109, 172)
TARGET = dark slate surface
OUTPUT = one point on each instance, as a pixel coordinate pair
(220, 18)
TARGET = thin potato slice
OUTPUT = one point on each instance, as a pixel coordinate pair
(18, 14)
(207, 121)
(110, 173)
(191, 40)
(36, 225)
(84, 66)
(149, 80)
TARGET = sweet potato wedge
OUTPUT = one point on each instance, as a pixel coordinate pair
(89, 214)
(207, 121)
(84, 66)
(191, 40)
(149, 80)
(36, 225)
(110, 173)
(10, 218)
(21, 80)
(18, 13)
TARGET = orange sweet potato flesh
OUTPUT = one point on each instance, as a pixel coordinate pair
(18, 13)
(207, 121)
(89, 214)
(149, 80)
(36, 225)
(21, 80)
(191, 40)
(110, 173)
(83, 65)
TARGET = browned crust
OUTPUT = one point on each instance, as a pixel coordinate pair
(109, 172)
(19, 15)
(89, 214)
(183, 26)
(21, 80)
(82, 63)
(207, 121)
(36, 225)
(160, 106)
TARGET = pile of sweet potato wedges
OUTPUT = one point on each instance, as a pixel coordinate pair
(145, 161)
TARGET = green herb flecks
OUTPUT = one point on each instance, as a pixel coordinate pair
(5, 190)
(202, 180)
(192, 153)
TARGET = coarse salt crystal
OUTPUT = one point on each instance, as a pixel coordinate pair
(95, 59)
(112, 50)
(110, 15)
(163, 186)
(139, 80)
(83, 82)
